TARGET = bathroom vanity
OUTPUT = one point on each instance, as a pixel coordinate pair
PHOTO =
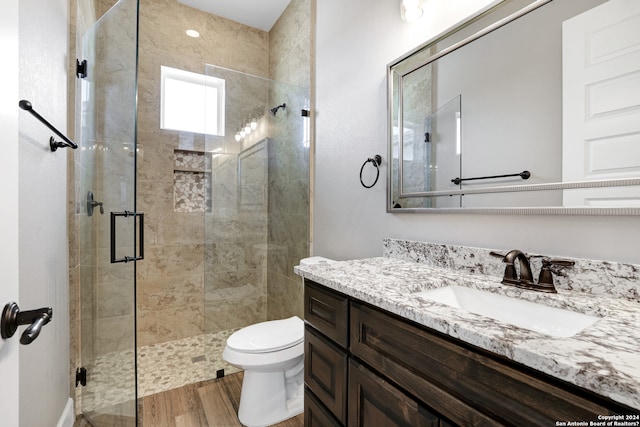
(378, 353)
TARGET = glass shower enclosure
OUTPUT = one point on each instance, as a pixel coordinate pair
(257, 222)
(226, 211)
(105, 215)
(227, 219)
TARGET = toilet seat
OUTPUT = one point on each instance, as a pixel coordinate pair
(267, 337)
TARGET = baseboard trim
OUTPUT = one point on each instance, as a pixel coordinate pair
(68, 416)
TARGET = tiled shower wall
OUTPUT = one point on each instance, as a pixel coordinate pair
(235, 235)
(289, 187)
(171, 285)
(236, 229)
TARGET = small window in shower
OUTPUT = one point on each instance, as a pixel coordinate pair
(191, 102)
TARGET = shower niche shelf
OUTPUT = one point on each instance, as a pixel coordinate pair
(191, 181)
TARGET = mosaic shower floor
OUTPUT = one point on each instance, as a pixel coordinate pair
(169, 365)
(161, 367)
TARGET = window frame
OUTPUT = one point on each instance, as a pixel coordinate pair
(197, 79)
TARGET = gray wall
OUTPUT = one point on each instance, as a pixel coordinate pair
(355, 42)
(44, 364)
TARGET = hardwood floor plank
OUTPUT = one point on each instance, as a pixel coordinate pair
(192, 419)
(218, 404)
(297, 421)
(161, 410)
(211, 403)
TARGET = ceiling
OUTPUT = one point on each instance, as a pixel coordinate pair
(261, 14)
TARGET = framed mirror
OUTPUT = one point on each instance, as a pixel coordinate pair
(532, 107)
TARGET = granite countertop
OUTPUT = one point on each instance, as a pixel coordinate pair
(603, 358)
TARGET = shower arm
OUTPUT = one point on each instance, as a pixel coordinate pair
(274, 110)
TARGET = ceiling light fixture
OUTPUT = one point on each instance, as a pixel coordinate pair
(193, 33)
(410, 10)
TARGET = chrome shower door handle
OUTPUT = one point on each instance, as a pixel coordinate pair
(127, 214)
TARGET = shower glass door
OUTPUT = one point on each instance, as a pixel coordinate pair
(257, 218)
(108, 227)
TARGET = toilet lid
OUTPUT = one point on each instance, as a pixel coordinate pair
(268, 336)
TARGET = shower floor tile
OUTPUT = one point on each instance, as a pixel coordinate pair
(161, 367)
(172, 364)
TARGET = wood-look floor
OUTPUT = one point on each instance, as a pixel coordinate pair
(211, 403)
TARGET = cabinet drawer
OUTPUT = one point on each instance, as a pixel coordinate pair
(316, 415)
(375, 402)
(465, 383)
(327, 311)
(325, 372)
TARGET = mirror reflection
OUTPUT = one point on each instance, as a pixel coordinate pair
(542, 112)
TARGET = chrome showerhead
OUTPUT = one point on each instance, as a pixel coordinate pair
(274, 110)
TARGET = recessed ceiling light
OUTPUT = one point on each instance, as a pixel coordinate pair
(193, 33)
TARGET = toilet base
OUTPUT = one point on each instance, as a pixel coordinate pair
(270, 397)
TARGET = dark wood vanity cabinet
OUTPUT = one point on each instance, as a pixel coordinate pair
(326, 338)
(326, 372)
(389, 371)
(328, 312)
(373, 401)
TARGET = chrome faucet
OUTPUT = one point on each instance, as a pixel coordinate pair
(525, 280)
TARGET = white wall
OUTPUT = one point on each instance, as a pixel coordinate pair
(355, 41)
(9, 360)
(44, 364)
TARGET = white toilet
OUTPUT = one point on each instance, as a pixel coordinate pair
(272, 356)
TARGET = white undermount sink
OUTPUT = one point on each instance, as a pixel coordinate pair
(551, 321)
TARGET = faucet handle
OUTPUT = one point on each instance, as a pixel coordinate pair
(510, 276)
(558, 261)
(546, 275)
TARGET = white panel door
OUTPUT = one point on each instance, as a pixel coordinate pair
(601, 102)
(9, 288)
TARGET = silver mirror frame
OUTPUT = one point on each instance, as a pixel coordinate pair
(584, 211)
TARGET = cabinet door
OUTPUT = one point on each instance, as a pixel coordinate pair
(327, 311)
(316, 415)
(325, 372)
(375, 402)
